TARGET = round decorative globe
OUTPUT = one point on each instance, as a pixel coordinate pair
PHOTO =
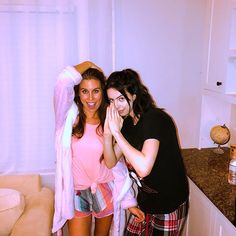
(220, 135)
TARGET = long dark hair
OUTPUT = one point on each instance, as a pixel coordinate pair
(78, 130)
(129, 80)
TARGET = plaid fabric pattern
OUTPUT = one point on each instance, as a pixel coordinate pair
(159, 224)
(85, 201)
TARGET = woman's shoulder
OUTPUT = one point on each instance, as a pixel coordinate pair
(157, 115)
(155, 112)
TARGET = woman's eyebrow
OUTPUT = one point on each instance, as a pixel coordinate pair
(120, 96)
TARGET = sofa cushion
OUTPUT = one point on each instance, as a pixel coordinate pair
(12, 204)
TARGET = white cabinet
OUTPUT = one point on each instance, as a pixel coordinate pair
(204, 218)
(200, 213)
(219, 70)
(231, 64)
(222, 227)
(220, 55)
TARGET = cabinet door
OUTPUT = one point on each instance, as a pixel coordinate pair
(219, 16)
(222, 226)
(200, 213)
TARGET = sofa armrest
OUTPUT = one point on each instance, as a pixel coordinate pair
(26, 184)
(38, 214)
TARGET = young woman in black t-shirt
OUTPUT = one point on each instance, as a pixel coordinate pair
(146, 136)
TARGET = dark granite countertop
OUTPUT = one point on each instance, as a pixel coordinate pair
(209, 171)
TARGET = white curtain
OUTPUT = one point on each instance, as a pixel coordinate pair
(36, 42)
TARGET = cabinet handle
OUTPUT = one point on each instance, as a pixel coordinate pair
(218, 83)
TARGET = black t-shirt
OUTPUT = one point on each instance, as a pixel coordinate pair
(168, 177)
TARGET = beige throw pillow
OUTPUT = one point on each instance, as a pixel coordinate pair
(12, 205)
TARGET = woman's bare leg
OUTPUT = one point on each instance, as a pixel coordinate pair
(80, 226)
(103, 225)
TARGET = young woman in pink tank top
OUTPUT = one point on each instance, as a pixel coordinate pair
(84, 86)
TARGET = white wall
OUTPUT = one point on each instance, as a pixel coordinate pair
(163, 41)
(38, 39)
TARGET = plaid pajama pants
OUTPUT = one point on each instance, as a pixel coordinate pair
(159, 224)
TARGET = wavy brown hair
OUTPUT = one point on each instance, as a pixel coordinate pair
(78, 130)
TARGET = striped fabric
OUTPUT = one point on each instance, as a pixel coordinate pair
(159, 224)
(87, 203)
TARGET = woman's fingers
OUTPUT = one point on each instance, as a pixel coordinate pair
(140, 217)
(83, 66)
(137, 213)
(114, 121)
(106, 123)
(114, 112)
(96, 67)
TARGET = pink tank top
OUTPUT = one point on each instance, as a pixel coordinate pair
(87, 169)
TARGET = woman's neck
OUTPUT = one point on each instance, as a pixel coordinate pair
(92, 118)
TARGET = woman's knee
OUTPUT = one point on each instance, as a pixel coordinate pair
(82, 225)
(103, 225)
